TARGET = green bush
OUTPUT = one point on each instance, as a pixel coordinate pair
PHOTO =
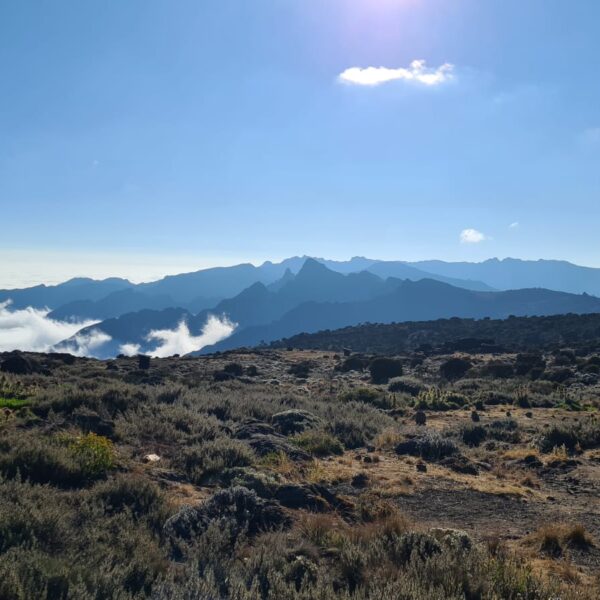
(94, 453)
(473, 435)
(383, 369)
(371, 396)
(318, 443)
(214, 456)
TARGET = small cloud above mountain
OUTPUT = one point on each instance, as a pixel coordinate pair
(472, 236)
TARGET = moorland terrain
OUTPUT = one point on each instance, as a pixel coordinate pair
(281, 472)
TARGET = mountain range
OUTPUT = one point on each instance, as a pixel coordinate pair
(303, 294)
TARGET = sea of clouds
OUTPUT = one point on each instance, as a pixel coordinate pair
(30, 329)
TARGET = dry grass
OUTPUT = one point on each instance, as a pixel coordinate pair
(554, 540)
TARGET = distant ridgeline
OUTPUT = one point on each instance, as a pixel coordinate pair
(463, 335)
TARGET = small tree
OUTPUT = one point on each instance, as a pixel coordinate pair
(455, 368)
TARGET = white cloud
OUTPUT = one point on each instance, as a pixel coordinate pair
(86, 344)
(129, 349)
(514, 225)
(181, 341)
(417, 72)
(30, 329)
(472, 236)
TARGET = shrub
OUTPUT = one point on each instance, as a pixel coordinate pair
(581, 436)
(505, 430)
(383, 369)
(233, 368)
(143, 362)
(369, 396)
(500, 370)
(473, 435)
(319, 443)
(454, 368)
(354, 363)
(235, 509)
(356, 424)
(214, 456)
(429, 446)
(302, 369)
(525, 363)
(405, 385)
(95, 453)
(142, 498)
(42, 461)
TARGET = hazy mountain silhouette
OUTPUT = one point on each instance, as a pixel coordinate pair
(53, 296)
(256, 305)
(512, 273)
(113, 305)
(412, 301)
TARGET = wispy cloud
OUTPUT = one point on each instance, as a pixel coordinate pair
(86, 344)
(472, 236)
(129, 349)
(514, 225)
(417, 72)
(30, 329)
(181, 341)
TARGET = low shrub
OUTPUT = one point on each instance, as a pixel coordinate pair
(318, 443)
(455, 368)
(405, 385)
(370, 396)
(214, 456)
(473, 435)
(429, 446)
(383, 369)
(94, 453)
(582, 436)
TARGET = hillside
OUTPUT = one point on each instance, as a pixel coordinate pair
(514, 334)
(305, 474)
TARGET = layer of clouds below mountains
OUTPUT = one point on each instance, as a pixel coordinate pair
(30, 329)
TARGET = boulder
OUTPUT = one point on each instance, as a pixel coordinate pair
(275, 444)
(251, 427)
(17, 364)
(236, 508)
(300, 496)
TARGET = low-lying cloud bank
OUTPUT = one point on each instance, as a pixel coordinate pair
(30, 329)
(181, 341)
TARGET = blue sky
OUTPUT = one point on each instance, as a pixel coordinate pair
(148, 136)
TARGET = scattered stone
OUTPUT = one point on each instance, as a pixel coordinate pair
(151, 458)
(421, 467)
